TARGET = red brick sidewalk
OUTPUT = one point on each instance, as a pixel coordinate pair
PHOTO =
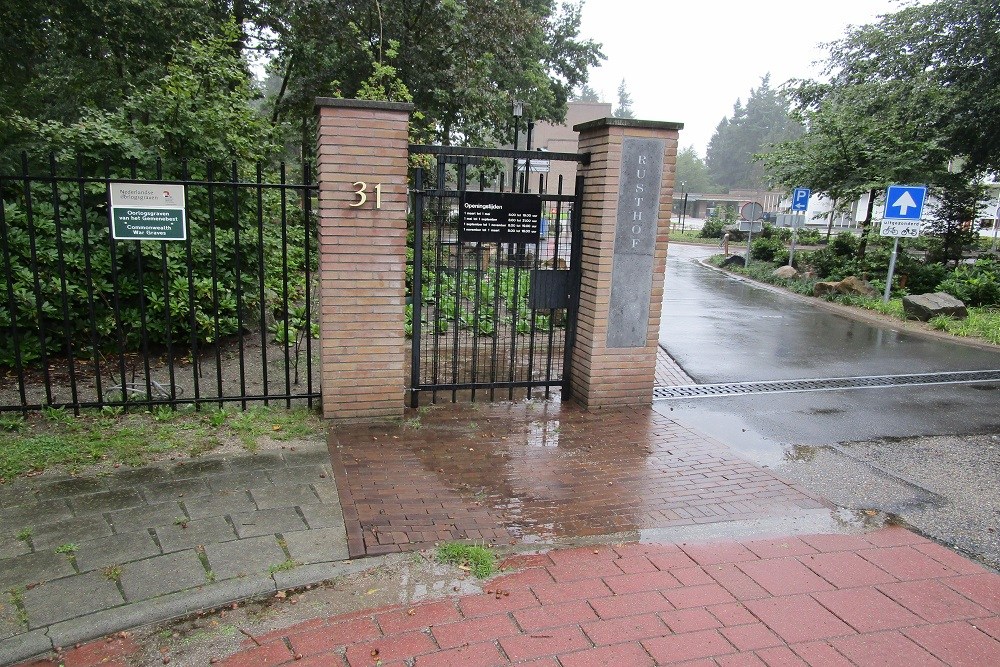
(885, 598)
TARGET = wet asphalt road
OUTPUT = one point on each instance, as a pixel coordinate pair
(927, 454)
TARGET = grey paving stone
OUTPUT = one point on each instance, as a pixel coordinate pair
(244, 557)
(137, 476)
(298, 475)
(219, 504)
(327, 491)
(70, 597)
(71, 486)
(159, 575)
(323, 516)
(300, 457)
(23, 646)
(75, 529)
(106, 501)
(199, 531)
(12, 495)
(32, 514)
(32, 568)
(318, 572)
(10, 546)
(10, 624)
(199, 468)
(175, 490)
(239, 481)
(147, 516)
(268, 522)
(317, 546)
(115, 550)
(263, 461)
(284, 496)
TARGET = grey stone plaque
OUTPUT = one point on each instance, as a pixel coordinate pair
(635, 241)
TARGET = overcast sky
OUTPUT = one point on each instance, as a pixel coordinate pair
(689, 60)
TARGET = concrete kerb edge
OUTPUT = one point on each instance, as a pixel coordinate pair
(172, 606)
(859, 315)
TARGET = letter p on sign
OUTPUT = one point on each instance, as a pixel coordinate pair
(800, 199)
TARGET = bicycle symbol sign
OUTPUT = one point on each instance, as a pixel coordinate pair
(901, 228)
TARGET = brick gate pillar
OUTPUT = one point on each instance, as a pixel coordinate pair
(362, 171)
(627, 202)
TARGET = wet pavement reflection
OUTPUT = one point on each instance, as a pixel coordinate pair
(538, 471)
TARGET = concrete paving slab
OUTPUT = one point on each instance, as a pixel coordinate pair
(10, 620)
(197, 531)
(293, 475)
(159, 575)
(268, 522)
(75, 529)
(244, 557)
(106, 501)
(239, 481)
(115, 550)
(317, 546)
(319, 455)
(326, 489)
(32, 568)
(15, 493)
(256, 462)
(154, 474)
(199, 468)
(34, 513)
(174, 490)
(323, 516)
(70, 597)
(10, 546)
(70, 486)
(274, 497)
(221, 503)
(145, 516)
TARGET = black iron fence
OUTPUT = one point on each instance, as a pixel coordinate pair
(224, 316)
(488, 318)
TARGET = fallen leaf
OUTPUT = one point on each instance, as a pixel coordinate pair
(371, 591)
(411, 612)
(276, 427)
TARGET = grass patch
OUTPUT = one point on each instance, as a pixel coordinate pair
(56, 437)
(24, 534)
(481, 561)
(113, 572)
(981, 323)
(284, 566)
(17, 601)
(691, 236)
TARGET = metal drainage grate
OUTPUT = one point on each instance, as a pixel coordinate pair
(824, 384)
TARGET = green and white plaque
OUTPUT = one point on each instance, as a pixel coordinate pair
(147, 212)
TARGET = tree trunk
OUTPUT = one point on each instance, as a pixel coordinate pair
(829, 227)
(866, 225)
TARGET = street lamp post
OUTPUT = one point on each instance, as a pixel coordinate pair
(518, 112)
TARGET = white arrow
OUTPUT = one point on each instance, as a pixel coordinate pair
(905, 202)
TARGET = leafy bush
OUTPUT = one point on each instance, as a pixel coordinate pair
(923, 278)
(809, 237)
(844, 244)
(771, 249)
(976, 285)
(714, 228)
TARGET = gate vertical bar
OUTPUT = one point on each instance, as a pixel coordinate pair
(237, 259)
(532, 317)
(456, 349)
(418, 287)
(12, 308)
(30, 219)
(284, 283)
(116, 301)
(260, 282)
(143, 328)
(575, 281)
(88, 274)
(192, 319)
(166, 304)
(215, 283)
(63, 293)
(307, 221)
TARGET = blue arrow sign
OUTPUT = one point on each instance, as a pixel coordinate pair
(904, 202)
(800, 199)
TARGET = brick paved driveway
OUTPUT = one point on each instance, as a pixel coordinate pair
(508, 473)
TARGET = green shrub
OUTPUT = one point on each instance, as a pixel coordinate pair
(714, 228)
(923, 278)
(975, 285)
(844, 244)
(766, 249)
(809, 237)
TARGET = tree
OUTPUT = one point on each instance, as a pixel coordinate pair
(692, 172)
(587, 94)
(764, 121)
(624, 108)
(954, 219)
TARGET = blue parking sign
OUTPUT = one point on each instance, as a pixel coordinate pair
(800, 199)
(904, 202)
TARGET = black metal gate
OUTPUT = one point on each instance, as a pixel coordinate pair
(491, 318)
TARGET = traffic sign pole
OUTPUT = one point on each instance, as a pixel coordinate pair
(892, 269)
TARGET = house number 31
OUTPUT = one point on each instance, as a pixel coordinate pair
(362, 194)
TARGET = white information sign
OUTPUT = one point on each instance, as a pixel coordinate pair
(907, 229)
